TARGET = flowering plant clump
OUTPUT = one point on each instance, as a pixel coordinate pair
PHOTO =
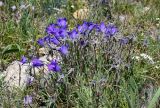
(87, 50)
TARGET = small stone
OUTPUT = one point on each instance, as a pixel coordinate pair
(1, 3)
(13, 8)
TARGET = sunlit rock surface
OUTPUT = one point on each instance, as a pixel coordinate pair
(17, 74)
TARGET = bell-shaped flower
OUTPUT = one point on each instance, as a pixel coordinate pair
(62, 22)
(83, 28)
(53, 66)
(41, 42)
(73, 34)
(27, 100)
(51, 29)
(102, 27)
(63, 50)
(55, 41)
(36, 62)
(23, 60)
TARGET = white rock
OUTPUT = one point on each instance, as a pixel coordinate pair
(81, 13)
(13, 8)
(122, 18)
(17, 74)
(43, 51)
(1, 3)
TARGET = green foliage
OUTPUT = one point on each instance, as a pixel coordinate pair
(155, 98)
(11, 48)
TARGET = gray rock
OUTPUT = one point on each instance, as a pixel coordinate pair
(16, 74)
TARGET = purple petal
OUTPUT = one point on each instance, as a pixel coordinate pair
(62, 33)
(91, 26)
(124, 41)
(23, 60)
(47, 39)
(57, 68)
(62, 22)
(73, 34)
(111, 30)
(114, 30)
(82, 28)
(30, 79)
(63, 49)
(55, 41)
(53, 66)
(51, 29)
(27, 100)
(40, 42)
(36, 62)
(102, 27)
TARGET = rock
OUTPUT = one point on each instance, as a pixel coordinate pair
(81, 13)
(43, 51)
(122, 18)
(1, 3)
(16, 74)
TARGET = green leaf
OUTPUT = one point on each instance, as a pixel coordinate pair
(154, 99)
(128, 98)
(11, 49)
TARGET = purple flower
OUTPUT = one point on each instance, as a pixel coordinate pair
(29, 80)
(40, 42)
(124, 41)
(62, 22)
(55, 41)
(53, 66)
(83, 42)
(82, 28)
(97, 28)
(62, 33)
(73, 34)
(108, 32)
(102, 27)
(85, 25)
(57, 34)
(23, 60)
(36, 62)
(46, 39)
(63, 49)
(114, 30)
(111, 30)
(27, 100)
(91, 26)
(57, 68)
(51, 29)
